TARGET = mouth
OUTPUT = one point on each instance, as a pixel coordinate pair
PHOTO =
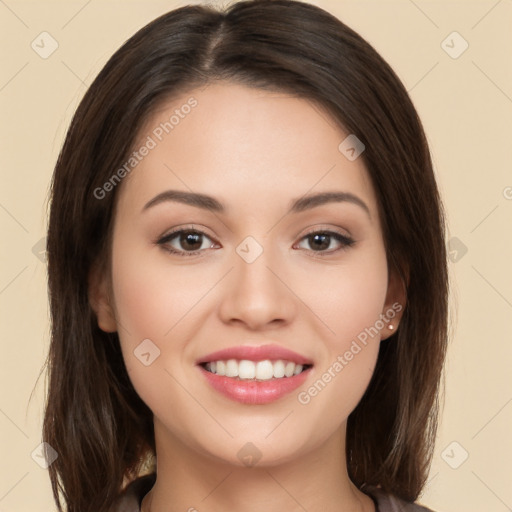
(255, 375)
(254, 391)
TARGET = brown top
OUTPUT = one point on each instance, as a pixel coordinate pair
(130, 500)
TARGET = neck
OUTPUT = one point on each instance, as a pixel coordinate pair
(194, 481)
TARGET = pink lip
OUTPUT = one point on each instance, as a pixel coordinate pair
(272, 352)
(252, 391)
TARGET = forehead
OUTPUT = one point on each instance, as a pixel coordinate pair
(244, 145)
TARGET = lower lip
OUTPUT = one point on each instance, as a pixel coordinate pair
(252, 391)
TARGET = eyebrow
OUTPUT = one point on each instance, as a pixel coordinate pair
(296, 205)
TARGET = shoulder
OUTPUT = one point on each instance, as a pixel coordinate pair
(390, 503)
(129, 500)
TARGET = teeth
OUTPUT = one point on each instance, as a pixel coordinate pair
(247, 370)
(264, 370)
(261, 370)
(279, 368)
(231, 368)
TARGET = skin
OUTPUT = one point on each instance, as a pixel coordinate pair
(254, 151)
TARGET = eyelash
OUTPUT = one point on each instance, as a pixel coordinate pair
(345, 241)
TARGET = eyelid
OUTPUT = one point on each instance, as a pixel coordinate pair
(187, 227)
(319, 228)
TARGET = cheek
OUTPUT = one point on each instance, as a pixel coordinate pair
(347, 297)
(154, 300)
(152, 295)
(349, 300)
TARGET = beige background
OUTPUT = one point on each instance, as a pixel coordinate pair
(466, 106)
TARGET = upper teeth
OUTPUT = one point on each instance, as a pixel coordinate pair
(261, 370)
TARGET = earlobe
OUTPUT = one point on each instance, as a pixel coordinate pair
(100, 301)
(389, 330)
(394, 306)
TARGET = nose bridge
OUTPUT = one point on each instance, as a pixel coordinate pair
(255, 294)
(253, 263)
(253, 266)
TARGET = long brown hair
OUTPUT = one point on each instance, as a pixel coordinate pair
(94, 418)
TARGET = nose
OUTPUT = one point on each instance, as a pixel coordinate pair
(257, 294)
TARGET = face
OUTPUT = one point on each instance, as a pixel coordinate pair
(256, 264)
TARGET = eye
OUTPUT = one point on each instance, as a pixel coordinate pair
(322, 240)
(189, 242)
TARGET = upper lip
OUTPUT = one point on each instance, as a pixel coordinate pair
(255, 353)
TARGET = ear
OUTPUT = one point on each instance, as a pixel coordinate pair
(100, 300)
(394, 306)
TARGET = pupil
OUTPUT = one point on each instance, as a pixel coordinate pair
(190, 239)
(323, 245)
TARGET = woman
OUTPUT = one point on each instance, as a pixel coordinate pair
(247, 273)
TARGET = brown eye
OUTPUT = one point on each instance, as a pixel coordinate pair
(185, 242)
(320, 241)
